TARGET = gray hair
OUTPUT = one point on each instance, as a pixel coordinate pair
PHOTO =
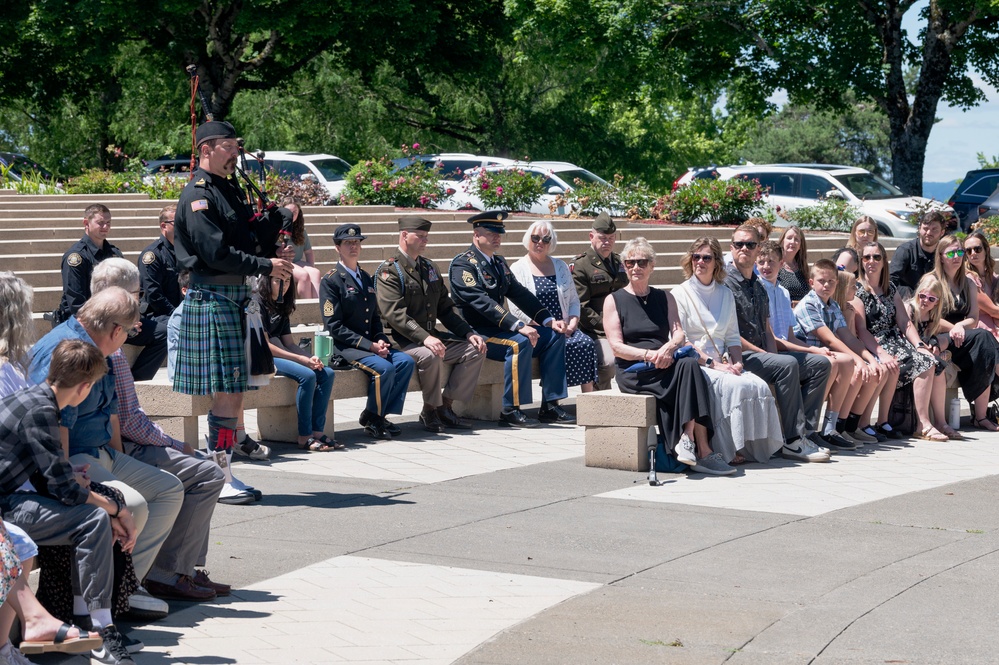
(542, 227)
(108, 308)
(114, 272)
(17, 330)
(639, 246)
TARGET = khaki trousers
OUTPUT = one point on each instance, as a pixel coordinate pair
(466, 361)
(606, 366)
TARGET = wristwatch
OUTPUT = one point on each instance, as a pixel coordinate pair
(709, 361)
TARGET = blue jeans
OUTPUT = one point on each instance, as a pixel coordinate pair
(314, 388)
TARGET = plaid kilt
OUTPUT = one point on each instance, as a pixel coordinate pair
(211, 352)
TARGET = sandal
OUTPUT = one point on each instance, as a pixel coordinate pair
(978, 423)
(951, 433)
(738, 460)
(331, 443)
(314, 445)
(80, 644)
(932, 434)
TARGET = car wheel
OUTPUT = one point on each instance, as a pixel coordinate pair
(885, 230)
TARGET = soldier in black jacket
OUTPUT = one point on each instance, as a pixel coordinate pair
(350, 314)
(481, 282)
(79, 260)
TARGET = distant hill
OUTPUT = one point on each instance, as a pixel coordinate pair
(940, 191)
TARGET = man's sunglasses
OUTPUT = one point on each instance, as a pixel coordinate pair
(748, 244)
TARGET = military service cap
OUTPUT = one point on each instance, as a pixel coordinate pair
(604, 224)
(414, 223)
(215, 129)
(490, 220)
(347, 232)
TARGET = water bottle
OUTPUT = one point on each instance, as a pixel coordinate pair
(954, 413)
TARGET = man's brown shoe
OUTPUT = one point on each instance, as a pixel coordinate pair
(450, 418)
(201, 579)
(430, 421)
(183, 589)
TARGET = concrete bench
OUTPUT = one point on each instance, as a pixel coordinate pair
(616, 428)
(277, 416)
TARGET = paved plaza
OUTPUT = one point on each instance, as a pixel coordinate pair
(501, 547)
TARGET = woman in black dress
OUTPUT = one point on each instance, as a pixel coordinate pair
(642, 326)
(974, 351)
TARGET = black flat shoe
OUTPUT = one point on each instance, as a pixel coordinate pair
(892, 434)
(553, 413)
(516, 418)
(391, 428)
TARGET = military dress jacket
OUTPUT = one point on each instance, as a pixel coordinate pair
(77, 267)
(158, 278)
(595, 279)
(350, 313)
(480, 288)
(213, 232)
(412, 297)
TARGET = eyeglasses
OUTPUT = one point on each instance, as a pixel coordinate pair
(954, 254)
(974, 249)
(631, 263)
(706, 258)
(748, 244)
(926, 297)
(873, 257)
(546, 239)
(129, 330)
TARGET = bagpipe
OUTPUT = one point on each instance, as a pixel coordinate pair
(269, 223)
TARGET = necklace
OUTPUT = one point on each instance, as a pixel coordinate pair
(645, 298)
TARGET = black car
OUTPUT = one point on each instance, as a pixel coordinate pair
(17, 166)
(977, 186)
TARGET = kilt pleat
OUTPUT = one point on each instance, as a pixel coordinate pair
(211, 352)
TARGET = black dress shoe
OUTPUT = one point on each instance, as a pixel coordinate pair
(431, 421)
(516, 418)
(367, 417)
(375, 431)
(450, 419)
(553, 413)
(391, 428)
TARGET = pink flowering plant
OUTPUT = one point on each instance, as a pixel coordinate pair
(505, 189)
(711, 201)
(377, 182)
(633, 200)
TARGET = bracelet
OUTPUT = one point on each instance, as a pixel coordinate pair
(117, 503)
(646, 356)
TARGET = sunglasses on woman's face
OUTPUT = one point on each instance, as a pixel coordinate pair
(926, 297)
(872, 257)
(974, 249)
(546, 239)
(703, 258)
(631, 263)
(954, 254)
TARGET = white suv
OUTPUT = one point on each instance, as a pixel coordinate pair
(791, 186)
(327, 170)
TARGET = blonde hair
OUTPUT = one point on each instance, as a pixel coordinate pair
(852, 242)
(638, 246)
(542, 228)
(687, 262)
(961, 277)
(930, 282)
(17, 330)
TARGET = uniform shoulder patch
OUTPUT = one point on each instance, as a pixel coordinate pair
(331, 272)
(200, 182)
(328, 308)
(148, 258)
(74, 259)
(200, 204)
(468, 278)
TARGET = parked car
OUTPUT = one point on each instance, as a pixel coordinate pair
(17, 165)
(178, 167)
(791, 186)
(989, 207)
(453, 166)
(327, 170)
(977, 186)
(558, 179)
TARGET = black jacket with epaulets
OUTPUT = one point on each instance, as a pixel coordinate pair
(350, 313)
(412, 297)
(213, 234)
(480, 288)
(77, 267)
(158, 278)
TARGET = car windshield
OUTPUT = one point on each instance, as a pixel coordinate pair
(22, 165)
(868, 186)
(583, 175)
(332, 169)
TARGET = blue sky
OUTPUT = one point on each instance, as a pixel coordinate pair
(960, 135)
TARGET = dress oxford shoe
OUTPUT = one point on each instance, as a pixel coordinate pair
(451, 419)
(516, 418)
(431, 421)
(553, 413)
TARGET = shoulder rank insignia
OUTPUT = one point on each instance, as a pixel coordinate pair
(327, 308)
(148, 258)
(468, 278)
(200, 182)
(74, 259)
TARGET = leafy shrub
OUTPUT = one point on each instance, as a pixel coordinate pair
(30, 182)
(831, 215)
(634, 200)
(372, 182)
(310, 193)
(98, 181)
(711, 201)
(505, 189)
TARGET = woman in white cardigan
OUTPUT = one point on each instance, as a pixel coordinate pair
(551, 281)
(747, 426)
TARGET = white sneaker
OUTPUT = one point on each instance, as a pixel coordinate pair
(804, 450)
(146, 606)
(685, 450)
(713, 465)
(818, 442)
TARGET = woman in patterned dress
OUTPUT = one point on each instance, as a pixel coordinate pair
(793, 275)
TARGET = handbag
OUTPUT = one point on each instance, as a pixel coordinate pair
(902, 413)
